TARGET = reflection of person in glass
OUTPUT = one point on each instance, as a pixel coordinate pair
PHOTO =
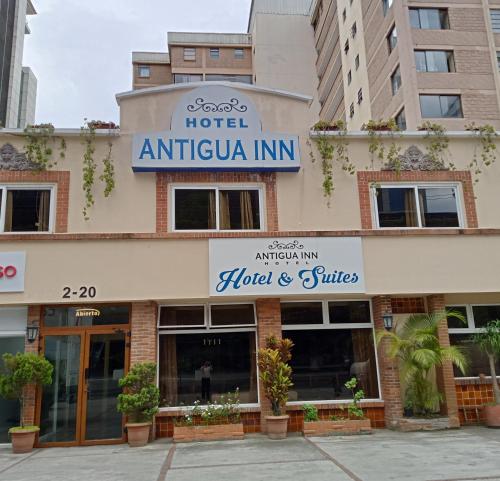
(206, 373)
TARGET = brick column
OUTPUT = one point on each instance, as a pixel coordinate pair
(143, 332)
(445, 377)
(268, 323)
(34, 318)
(388, 368)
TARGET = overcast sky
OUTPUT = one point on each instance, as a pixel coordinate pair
(80, 51)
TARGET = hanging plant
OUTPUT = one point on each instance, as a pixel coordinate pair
(87, 135)
(437, 142)
(39, 145)
(377, 147)
(108, 175)
(486, 134)
(332, 148)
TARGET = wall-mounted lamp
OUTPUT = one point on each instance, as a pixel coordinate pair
(388, 321)
(32, 333)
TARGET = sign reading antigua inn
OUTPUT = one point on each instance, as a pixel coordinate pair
(269, 266)
(215, 128)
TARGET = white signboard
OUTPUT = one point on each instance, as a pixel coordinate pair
(215, 128)
(279, 266)
(12, 265)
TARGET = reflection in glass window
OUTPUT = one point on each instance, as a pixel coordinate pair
(434, 61)
(27, 210)
(441, 106)
(397, 207)
(323, 360)
(392, 39)
(478, 361)
(246, 79)
(182, 316)
(232, 315)
(202, 366)
(301, 313)
(429, 18)
(396, 81)
(349, 312)
(438, 207)
(453, 322)
(85, 316)
(485, 314)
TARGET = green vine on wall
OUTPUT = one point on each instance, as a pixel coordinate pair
(377, 147)
(108, 175)
(39, 145)
(437, 143)
(89, 166)
(486, 134)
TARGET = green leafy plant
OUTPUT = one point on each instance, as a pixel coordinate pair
(87, 135)
(376, 146)
(419, 352)
(20, 371)
(354, 410)
(488, 341)
(487, 135)
(275, 372)
(141, 397)
(108, 175)
(310, 413)
(437, 142)
(39, 145)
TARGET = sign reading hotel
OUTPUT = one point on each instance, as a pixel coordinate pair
(12, 266)
(215, 128)
(270, 266)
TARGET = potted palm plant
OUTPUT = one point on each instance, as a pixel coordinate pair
(22, 370)
(139, 401)
(275, 374)
(417, 347)
(488, 340)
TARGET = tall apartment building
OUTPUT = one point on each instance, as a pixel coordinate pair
(414, 61)
(17, 83)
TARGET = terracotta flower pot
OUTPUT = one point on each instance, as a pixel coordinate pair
(138, 434)
(492, 415)
(277, 426)
(23, 440)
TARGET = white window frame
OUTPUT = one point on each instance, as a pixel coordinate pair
(53, 196)
(207, 329)
(218, 187)
(417, 185)
(140, 68)
(471, 325)
(331, 327)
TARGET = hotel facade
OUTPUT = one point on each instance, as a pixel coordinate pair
(217, 234)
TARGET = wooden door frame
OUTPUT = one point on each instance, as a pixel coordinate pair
(84, 332)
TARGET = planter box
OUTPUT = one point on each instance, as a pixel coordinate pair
(217, 432)
(423, 424)
(340, 428)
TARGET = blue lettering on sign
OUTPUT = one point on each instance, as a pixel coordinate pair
(238, 277)
(147, 150)
(317, 275)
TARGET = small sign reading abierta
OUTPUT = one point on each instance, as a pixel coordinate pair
(271, 266)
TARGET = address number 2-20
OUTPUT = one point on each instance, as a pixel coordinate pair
(83, 292)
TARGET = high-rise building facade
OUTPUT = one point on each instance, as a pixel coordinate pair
(17, 83)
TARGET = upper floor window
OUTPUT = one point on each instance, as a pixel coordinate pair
(190, 54)
(495, 20)
(346, 46)
(246, 79)
(26, 209)
(239, 53)
(441, 106)
(180, 78)
(392, 39)
(351, 110)
(386, 4)
(214, 53)
(360, 96)
(396, 80)
(344, 15)
(216, 208)
(401, 119)
(417, 206)
(429, 18)
(356, 62)
(354, 30)
(498, 60)
(434, 61)
(144, 71)
(349, 78)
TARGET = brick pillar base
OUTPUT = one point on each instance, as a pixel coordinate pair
(389, 370)
(268, 323)
(143, 332)
(445, 377)
(34, 317)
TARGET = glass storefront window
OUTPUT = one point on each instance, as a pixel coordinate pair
(202, 366)
(232, 315)
(84, 316)
(182, 316)
(301, 313)
(478, 361)
(323, 360)
(352, 312)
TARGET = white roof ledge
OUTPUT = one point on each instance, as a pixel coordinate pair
(188, 86)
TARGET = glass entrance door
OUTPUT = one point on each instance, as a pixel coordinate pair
(79, 407)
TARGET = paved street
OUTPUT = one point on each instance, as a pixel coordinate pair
(465, 455)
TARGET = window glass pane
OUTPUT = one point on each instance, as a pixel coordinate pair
(349, 312)
(231, 315)
(396, 207)
(430, 106)
(186, 78)
(239, 53)
(429, 18)
(450, 106)
(214, 53)
(323, 360)
(144, 71)
(485, 314)
(195, 209)
(495, 20)
(401, 119)
(182, 316)
(437, 61)
(27, 211)
(396, 81)
(9, 409)
(438, 207)
(301, 313)
(247, 79)
(478, 361)
(414, 18)
(392, 39)
(239, 209)
(420, 61)
(453, 322)
(200, 367)
(85, 316)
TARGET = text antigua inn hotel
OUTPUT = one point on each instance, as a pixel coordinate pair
(218, 234)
